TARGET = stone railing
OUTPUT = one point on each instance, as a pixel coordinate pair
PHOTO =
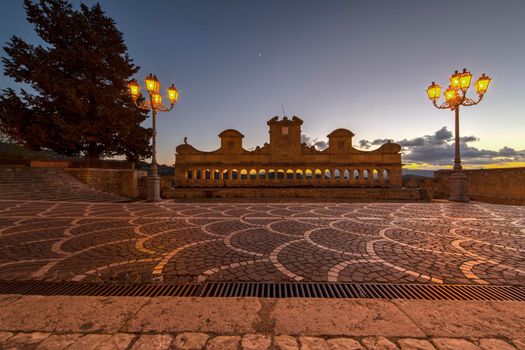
(227, 177)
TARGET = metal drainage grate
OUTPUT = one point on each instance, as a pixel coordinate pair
(270, 290)
(362, 290)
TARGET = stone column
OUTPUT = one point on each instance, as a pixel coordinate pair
(362, 180)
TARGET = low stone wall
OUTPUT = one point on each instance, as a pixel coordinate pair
(423, 183)
(59, 164)
(352, 194)
(501, 186)
(123, 182)
(166, 184)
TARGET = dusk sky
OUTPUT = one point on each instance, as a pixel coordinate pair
(360, 65)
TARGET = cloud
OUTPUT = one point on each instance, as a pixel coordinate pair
(377, 142)
(439, 149)
(364, 144)
(310, 141)
(436, 149)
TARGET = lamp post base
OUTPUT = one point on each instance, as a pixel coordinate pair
(153, 182)
(458, 187)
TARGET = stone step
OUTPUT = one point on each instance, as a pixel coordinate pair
(23, 183)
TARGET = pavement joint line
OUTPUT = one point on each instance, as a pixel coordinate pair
(408, 316)
(131, 317)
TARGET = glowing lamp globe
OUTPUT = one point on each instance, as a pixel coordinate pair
(433, 91)
(482, 84)
(455, 80)
(134, 89)
(156, 99)
(152, 84)
(173, 94)
(451, 94)
(464, 80)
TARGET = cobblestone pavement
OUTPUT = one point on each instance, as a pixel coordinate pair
(353, 242)
(256, 341)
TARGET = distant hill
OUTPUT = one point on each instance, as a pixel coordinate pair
(413, 172)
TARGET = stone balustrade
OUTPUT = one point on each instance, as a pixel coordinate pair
(233, 177)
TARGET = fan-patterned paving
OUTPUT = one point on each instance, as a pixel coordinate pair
(167, 242)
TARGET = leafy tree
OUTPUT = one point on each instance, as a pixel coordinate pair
(77, 101)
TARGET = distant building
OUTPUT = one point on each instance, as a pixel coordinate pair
(285, 161)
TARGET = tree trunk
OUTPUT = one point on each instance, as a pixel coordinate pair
(93, 151)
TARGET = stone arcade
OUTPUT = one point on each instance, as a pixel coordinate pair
(285, 162)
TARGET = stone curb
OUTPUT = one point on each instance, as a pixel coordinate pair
(296, 317)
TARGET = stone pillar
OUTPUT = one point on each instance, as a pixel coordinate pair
(305, 179)
(380, 179)
(265, 179)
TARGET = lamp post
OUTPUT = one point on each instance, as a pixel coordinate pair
(456, 96)
(155, 105)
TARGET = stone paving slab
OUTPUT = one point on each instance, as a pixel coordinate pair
(225, 315)
(161, 342)
(296, 317)
(439, 318)
(356, 317)
(472, 243)
(65, 314)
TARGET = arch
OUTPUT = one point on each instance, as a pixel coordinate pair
(327, 174)
(375, 174)
(216, 174)
(262, 174)
(308, 174)
(365, 174)
(225, 174)
(244, 174)
(346, 174)
(299, 174)
(357, 174)
(271, 174)
(318, 174)
(386, 174)
(189, 174)
(280, 174)
(289, 174)
(235, 174)
(207, 174)
(198, 174)
(253, 174)
(337, 174)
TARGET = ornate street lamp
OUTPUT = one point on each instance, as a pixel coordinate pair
(154, 104)
(455, 96)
